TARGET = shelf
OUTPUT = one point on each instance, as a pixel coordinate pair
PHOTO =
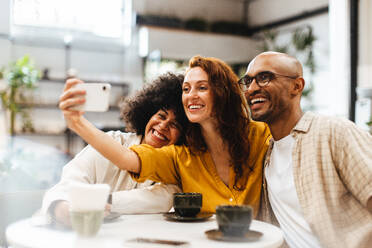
(38, 105)
(54, 106)
(39, 134)
(62, 81)
(66, 132)
(364, 92)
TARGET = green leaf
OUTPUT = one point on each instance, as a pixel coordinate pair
(20, 75)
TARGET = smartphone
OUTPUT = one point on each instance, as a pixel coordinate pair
(96, 98)
(161, 242)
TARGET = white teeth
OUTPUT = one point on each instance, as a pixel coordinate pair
(256, 100)
(160, 136)
(195, 106)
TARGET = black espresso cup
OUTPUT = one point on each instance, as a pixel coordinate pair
(234, 220)
(187, 204)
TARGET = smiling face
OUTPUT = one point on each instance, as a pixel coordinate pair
(197, 97)
(272, 101)
(162, 129)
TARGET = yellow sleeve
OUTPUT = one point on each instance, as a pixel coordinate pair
(157, 164)
(259, 136)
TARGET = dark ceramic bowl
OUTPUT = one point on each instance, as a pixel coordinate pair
(234, 220)
(187, 204)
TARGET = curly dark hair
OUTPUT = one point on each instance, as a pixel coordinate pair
(230, 110)
(165, 92)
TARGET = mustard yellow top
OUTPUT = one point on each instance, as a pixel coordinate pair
(197, 172)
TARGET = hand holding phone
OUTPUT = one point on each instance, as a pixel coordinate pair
(96, 98)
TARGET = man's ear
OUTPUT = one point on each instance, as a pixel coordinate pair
(298, 86)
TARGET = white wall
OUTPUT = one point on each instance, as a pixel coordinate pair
(44, 57)
(182, 45)
(365, 44)
(364, 104)
(5, 47)
(265, 11)
(339, 56)
(5, 52)
(5, 16)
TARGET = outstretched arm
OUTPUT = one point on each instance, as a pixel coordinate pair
(122, 157)
(156, 198)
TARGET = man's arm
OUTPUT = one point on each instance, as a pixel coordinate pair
(352, 151)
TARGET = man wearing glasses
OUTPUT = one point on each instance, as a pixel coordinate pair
(318, 170)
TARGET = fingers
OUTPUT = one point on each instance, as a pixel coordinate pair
(72, 113)
(71, 96)
(71, 82)
(107, 210)
(70, 102)
(71, 93)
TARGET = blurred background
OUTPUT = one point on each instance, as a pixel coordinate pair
(129, 42)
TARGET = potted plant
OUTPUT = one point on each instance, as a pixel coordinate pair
(20, 75)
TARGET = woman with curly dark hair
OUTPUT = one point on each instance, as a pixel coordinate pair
(156, 116)
(225, 150)
(163, 94)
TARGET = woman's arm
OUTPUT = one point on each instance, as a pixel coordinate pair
(156, 198)
(122, 157)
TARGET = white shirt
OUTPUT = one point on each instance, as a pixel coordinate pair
(128, 196)
(283, 196)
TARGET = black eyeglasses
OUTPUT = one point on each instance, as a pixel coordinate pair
(262, 79)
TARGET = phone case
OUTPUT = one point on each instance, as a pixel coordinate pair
(96, 98)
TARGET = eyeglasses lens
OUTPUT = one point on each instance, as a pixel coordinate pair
(262, 79)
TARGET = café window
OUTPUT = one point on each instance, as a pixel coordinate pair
(109, 19)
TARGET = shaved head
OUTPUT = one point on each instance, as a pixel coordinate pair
(277, 100)
(276, 62)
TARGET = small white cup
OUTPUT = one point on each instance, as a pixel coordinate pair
(87, 206)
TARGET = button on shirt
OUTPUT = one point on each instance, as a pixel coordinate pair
(283, 196)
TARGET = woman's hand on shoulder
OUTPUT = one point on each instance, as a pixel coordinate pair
(69, 98)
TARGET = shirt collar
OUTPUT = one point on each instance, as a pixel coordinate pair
(303, 125)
